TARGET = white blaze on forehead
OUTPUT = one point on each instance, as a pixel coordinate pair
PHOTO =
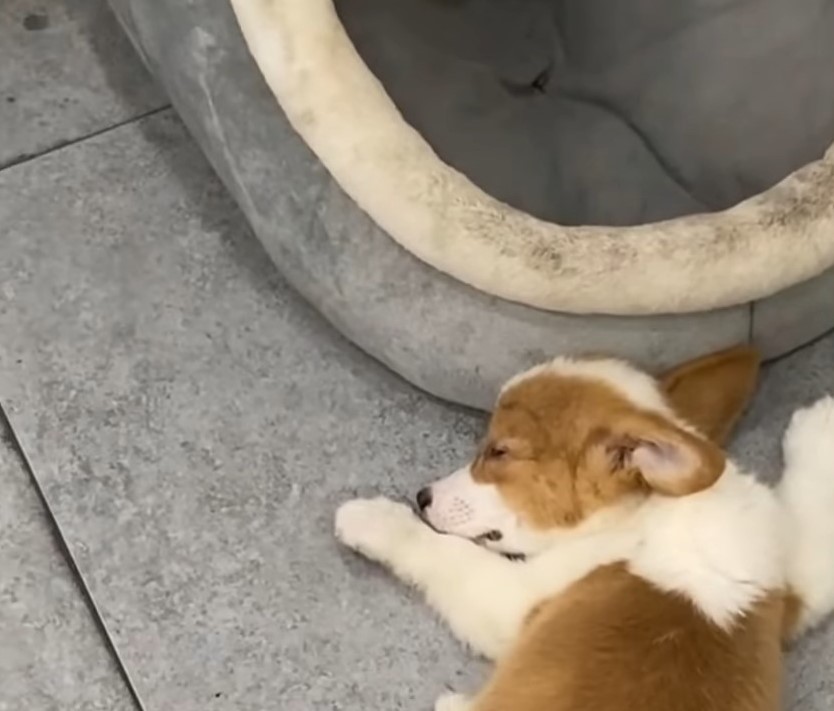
(638, 387)
(464, 507)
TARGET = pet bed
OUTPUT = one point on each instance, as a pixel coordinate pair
(464, 187)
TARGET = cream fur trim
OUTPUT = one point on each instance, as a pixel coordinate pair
(767, 243)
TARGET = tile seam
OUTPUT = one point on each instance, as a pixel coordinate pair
(66, 553)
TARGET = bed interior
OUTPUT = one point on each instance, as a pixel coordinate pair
(609, 113)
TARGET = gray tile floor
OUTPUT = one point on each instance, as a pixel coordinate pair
(68, 72)
(51, 655)
(194, 424)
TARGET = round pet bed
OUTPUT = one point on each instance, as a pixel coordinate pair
(466, 186)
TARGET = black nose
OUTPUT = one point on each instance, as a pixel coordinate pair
(424, 498)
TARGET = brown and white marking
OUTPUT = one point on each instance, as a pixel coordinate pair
(657, 574)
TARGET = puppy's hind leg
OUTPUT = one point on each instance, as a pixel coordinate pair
(807, 490)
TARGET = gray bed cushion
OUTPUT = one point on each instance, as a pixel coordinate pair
(437, 332)
(609, 112)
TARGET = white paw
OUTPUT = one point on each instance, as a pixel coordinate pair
(810, 435)
(452, 702)
(376, 527)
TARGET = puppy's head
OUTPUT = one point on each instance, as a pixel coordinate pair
(574, 437)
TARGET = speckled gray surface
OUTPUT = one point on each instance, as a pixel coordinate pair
(68, 71)
(51, 655)
(438, 333)
(195, 425)
(202, 426)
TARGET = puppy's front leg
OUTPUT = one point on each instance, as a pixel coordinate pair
(479, 593)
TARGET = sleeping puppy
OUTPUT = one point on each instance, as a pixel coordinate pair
(657, 575)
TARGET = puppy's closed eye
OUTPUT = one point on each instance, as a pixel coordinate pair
(496, 451)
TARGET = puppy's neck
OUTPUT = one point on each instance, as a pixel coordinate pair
(720, 548)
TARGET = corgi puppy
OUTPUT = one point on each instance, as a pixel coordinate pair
(656, 575)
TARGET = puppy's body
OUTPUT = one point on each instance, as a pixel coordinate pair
(614, 641)
(658, 575)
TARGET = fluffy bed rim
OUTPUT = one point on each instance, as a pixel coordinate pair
(779, 238)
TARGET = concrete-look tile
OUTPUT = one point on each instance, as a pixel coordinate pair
(67, 71)
(195, 426)
(51, 655)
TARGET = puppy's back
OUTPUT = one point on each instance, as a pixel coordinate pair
(615, 642)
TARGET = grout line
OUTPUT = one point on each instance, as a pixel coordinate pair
(27, 157)
(60, 538)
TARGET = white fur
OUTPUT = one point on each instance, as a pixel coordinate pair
(724, 548)
(453, 702)
(464, 507)
(344, 115)
(720, 548)
(483, 597)
(807, 489)
(469, 509)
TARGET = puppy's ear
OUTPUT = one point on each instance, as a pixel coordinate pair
(711, 393)
(671, 461)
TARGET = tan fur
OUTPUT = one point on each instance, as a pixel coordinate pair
(792, 612)
(559, 448)
(712, 392)
(613, 642)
